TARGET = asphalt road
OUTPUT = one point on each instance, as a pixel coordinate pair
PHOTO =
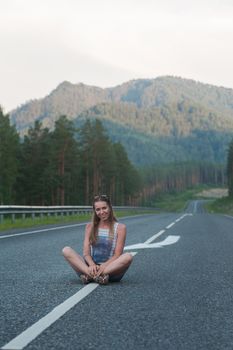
(176, 295)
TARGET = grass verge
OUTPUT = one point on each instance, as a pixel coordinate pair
(53, 220)
(222, 205)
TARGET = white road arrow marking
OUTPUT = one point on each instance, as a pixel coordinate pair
(167, 241)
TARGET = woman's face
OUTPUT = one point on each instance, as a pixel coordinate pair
(102, 210)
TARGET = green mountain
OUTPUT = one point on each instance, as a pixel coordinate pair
(157, 120)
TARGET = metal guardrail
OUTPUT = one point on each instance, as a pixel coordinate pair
(14, 211)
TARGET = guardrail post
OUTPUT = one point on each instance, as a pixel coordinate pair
(1, 218)
(13, 217)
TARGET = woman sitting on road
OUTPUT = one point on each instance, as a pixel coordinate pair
(104, 260)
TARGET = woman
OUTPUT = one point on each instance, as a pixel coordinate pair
(103, 246)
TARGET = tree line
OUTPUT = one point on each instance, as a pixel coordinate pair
(65, 166)
(178, 177)
(68, 165)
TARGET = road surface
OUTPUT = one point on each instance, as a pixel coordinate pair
(178, 293)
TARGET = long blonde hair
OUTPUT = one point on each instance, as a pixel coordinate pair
(95, 219)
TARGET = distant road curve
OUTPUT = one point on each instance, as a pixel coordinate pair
(196, 207)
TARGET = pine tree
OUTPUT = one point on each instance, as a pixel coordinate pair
(64, 160)
(128, 181)
(97, 159)
(32, 182)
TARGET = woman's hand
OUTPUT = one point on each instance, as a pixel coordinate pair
(93, 269)
(101, 269)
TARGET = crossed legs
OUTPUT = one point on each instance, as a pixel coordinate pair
(117, 267)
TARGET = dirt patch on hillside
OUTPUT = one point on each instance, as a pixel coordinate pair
(213, 193)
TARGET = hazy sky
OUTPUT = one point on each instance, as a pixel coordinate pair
(108, 42)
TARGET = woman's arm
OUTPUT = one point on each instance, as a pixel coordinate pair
(93, 268)
(120, 243)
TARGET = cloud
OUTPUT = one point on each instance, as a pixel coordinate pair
(107, 42)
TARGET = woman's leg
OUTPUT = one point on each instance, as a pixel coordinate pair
(119, 266)
(75, 260)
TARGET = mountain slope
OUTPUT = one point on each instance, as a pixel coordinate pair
(156, 114)
(154, 94)
(147, 150)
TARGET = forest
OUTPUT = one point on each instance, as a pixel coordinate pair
(68, 165)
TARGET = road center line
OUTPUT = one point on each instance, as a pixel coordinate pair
(169, 226)
(33, 331)
(151, 239)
